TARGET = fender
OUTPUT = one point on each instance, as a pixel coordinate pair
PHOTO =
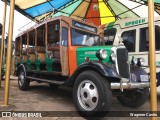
(136, 72)
(104, 69)
(21, 66)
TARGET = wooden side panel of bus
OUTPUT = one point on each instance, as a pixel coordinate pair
(64, 53)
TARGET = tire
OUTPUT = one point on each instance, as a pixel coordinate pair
(92, 95)
(53, 86)
(23, 83)
(134, 98)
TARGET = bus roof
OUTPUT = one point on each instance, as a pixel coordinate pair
(128, 22)
(68, 19)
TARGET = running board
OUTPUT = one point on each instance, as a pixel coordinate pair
(46, 72)
(47, 81)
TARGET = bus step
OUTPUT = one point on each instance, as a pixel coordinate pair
(46, 72)
(46, 80)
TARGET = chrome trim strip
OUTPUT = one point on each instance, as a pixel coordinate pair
(129, 85)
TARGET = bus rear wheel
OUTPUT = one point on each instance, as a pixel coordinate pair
(23, 83)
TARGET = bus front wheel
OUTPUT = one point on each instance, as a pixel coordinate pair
(92, 94)
(134, 98)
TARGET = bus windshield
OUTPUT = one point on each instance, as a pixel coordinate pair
(81, 38)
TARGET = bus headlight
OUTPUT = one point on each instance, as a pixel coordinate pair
(138, 61)
(113, 56)
(135, 61)
(141, 61)
(101, 54)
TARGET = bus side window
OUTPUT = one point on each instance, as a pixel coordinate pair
(109, 36)
(64, 36)
(144, 39)
(157, 37)
(53, 33)
(24, 44)
(41, 36)
(129, 40)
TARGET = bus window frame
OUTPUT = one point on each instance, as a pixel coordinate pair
(147, 38)
(71, 28)
(114, 36)
(134, 36)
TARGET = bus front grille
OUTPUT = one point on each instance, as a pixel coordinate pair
(122, 60)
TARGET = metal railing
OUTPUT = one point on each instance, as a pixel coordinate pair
(26, 27)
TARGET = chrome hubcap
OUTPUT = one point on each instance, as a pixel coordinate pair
(87, 95)
(21, 78)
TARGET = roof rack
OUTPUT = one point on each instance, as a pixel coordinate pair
(26, 27)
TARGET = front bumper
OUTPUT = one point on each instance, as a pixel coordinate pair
(129, 85)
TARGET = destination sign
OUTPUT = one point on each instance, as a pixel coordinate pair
(84, 26)
(134, 22)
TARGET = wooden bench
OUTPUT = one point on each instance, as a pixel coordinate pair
(24, 55)
(31, 54)
(56, 52)
(17, 54)
(40, 53)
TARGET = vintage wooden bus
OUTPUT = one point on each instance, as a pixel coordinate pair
(135, 36)
(66, 51)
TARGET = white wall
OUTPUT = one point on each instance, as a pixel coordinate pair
(19, 19)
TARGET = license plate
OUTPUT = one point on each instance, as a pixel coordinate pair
(144, 78)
